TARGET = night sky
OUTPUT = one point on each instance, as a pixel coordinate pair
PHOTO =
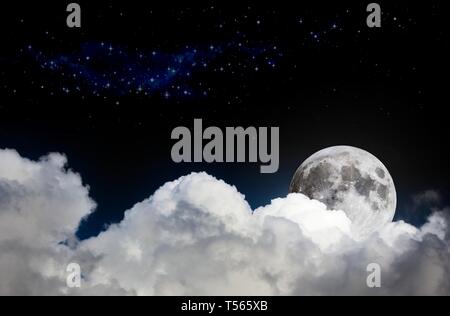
(109, 94)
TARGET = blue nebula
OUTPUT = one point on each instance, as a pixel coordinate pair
(103, 69)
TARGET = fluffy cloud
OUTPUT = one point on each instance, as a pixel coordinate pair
(41, 205)
(429, 197)
(198, 236)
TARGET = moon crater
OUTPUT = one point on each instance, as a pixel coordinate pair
(352, 180)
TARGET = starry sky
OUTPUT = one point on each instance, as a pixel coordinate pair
(109, 94)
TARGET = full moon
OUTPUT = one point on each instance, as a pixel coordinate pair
(351, 180)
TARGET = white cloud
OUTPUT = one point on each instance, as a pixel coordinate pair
(198, 236)
(429, 197)
(41, 205)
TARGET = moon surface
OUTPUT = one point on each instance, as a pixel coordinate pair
(352, 180)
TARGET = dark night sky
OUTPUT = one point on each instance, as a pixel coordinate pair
(109, 94)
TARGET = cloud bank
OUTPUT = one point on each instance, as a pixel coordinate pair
(198, 236)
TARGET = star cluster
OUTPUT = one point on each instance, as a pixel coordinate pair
(102, 69)
(236, 49)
